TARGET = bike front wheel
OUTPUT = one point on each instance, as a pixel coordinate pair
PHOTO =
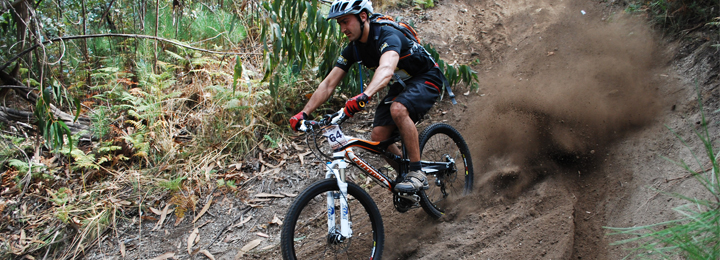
(305, 233)
(442, 143)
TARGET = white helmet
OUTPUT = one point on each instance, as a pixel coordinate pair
(343, 7)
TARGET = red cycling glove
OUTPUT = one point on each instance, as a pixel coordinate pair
(356, 104)
(296, 119)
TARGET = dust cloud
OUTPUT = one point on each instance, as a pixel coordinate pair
(570, 92)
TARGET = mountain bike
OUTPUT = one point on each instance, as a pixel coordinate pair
(335, 218)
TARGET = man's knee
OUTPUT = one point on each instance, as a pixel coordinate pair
(375, 136)
(381, 133)
(397, 109)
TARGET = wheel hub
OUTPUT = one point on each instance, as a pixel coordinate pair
(335, 238)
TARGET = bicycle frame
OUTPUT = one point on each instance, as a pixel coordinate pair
(339, 161)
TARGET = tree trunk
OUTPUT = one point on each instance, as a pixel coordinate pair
(143, 11)
(157, 26)
(21, 15)
(60, 18)
(84, 30)
(84, 44)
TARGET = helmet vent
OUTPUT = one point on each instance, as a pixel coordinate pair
(344, 7)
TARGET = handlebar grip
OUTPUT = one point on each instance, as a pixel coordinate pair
(303, 127)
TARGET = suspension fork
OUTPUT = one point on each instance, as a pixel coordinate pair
(339, 175)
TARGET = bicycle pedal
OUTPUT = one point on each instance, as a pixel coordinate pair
(409, 196)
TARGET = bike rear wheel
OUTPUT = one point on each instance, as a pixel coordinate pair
(442, 143)
(305, 230)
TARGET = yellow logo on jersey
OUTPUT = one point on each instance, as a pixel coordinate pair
(342, 60)
(384, 45)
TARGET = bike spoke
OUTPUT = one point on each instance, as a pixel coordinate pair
(441, 144)
(311, 227)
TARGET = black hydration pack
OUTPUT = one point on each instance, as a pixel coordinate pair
(403, 27)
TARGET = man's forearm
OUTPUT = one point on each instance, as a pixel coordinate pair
(380, 79)
(384, 72)
(321, 95)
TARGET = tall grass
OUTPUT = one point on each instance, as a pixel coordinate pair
(696, 234)
(677, 15)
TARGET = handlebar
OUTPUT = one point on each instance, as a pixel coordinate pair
(330, 119)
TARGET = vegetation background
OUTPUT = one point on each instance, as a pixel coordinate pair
(111, 106)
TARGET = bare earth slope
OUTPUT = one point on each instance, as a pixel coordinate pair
(567, 132)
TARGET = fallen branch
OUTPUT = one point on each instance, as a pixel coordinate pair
(10, 114)
(25, 93)
(13, 115)
(140, 36)
(28, 95)
(15, 87)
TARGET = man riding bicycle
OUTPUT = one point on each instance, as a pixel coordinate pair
(413, 76)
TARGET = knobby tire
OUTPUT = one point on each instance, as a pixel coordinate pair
(437, 141)
(304, 232)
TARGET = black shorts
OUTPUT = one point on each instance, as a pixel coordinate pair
(418, 96)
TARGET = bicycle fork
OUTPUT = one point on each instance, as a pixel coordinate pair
(334, 235)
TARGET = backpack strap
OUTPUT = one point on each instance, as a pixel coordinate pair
(445, 82)
(449, 91)
(359, 62)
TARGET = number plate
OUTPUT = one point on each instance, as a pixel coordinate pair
(335, 136)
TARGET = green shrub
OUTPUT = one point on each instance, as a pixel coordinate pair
(696, 235)
(677, 15)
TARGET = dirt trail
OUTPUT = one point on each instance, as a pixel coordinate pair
(566, 132)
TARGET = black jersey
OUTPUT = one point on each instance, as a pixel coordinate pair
(414, 60)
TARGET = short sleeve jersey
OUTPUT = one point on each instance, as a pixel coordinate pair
(413, 61)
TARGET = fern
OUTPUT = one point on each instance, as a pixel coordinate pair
(202, 61)
(176, 56)
(184, 202)
(425, 3)
(172, 185)
(106, 149)
(83, 161)
(141, 147)
(8, 151)
(235, 104)
(60, 198)
(19, 165)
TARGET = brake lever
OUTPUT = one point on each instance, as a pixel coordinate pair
(307, 125)
(339, 117)
(335, 118)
